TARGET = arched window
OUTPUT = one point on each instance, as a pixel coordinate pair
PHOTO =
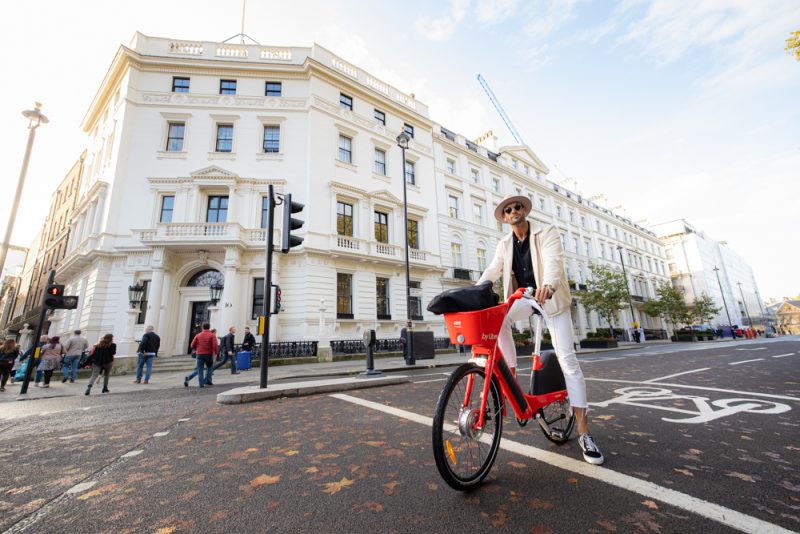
(206, 278)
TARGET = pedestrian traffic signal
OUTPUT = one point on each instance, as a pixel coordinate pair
(278, 306)
(55, 299)
(290, 224)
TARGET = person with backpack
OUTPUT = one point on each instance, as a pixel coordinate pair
(102, 361)
(8, 353)
(228, 350)
(51, 359)
(74, 347)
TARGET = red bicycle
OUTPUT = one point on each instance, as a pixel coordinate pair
(468, 421)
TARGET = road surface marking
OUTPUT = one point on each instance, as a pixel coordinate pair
(433, 380)
(748, 393)
(80, 488)
(160, 434)
(183, 420)
(746, 361)
(755, 348)
(784, 355)
(72, 436)
(132, 454)
(677, 374)
(706, 509)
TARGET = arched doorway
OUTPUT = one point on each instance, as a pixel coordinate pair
(200, 313)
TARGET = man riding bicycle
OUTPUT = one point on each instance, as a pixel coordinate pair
(532, 256)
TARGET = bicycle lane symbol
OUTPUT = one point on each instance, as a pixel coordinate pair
(646, 397)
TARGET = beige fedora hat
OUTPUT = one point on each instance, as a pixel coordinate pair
(525, 201)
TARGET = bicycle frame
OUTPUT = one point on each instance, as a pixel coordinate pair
(525, 406)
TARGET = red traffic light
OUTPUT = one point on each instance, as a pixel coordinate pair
(55, 290)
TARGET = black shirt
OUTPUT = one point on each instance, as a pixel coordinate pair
(521, 266)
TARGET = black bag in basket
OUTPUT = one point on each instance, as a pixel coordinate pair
(477, 297)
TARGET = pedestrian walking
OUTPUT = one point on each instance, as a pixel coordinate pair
(205, 346)
(188, 378)
(147, 352)
(75, 346)
(102, 361)
(228, 350)
(8, 353)
(32, 358)
(51, 359)
(249, 341)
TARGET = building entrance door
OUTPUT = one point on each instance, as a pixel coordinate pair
(199, 315)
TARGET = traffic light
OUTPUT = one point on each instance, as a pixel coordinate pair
(289, 223)
(277, 299)
(56, 300)
(55, 296)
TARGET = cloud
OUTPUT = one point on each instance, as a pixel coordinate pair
(492, 11)
(441, 28)
(544, 17)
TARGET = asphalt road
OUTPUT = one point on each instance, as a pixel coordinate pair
(697, 438)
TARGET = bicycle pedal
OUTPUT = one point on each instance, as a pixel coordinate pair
(557, 434)
(522, 422)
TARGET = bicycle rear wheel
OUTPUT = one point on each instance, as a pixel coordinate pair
(464, 454)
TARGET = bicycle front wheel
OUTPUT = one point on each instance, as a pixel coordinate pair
(463, 452)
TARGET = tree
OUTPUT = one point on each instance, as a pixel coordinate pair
(793, 45)
(704, 309)
(606, 293)
(670, 305)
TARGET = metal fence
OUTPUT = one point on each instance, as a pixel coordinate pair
(285, 349)
(356, 346)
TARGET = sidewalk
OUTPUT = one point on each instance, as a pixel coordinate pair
(223, 379)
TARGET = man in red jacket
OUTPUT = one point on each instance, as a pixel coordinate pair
(205, 346)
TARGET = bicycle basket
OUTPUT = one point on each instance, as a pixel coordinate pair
(476, 327)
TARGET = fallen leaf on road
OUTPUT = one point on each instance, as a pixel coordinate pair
(251, 449)
(684, 472)
(433, 487)
(603, 417)
(608, 525)
(98, 491)
(573, 480)
(369, 505)
(311, 469)
(264, 479)
(390, 487)
(375, 443)
(336, 487)
(291, 453)
(541, 504)
(166, 530)
(740, 476)
(650, 504)
(518, 465)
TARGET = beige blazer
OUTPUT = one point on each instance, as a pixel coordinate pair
(547, 256)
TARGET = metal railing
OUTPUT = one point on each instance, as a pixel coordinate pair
(356, 346)
(284, 349)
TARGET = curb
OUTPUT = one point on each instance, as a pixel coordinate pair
(248, 394)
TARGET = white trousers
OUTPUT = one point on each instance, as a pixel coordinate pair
(560, 327)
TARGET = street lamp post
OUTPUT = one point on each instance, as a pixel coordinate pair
(36, 118)
(402, 141)
(630, 303)
(722, 294)
(749, 320)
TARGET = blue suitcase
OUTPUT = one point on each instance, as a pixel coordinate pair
(244, 360)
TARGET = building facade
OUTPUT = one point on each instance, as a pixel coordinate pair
(699, 265)
(183, 140)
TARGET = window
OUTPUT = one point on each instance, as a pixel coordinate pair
(608, 230)
(380, 161)
(616, 233)
(381, 227)
(513, 163)
(258, 298)
(477, 213)
(452, 202)
(572, 216)
(455, 251)
(224, 138)
(451, 166)
(563, 242)
(167, 207)
(541, 204)
(143, 305)
(346, 101)
(603, 250)
(175, 136)
(264, 211)
(227, 87)
(558, 211)
(597, 225)
(649, 265)
(476, 176)
(526, 169)
(407, 128)
(416, 302)
(413, 234)
(272, 139)
(345, 149)
(380, 116)
(496, 184)
(344, 219)
(583, 221)
(382, 298)
(480, 254)
(217, 209)
(180, 85)
(587, 246)
(575, 247)
(273, 89)
(410, 176)
(344, 296)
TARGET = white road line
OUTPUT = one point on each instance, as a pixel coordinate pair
(432, 374)
(706, 509)
(131, 454)
(684, 386)
(678, 374)
(746, 361)
(433, 380)
(183, 420)
(755, 348)
(80, 488)
(71, 437)
(160, 434)
(603, 359)
(784, 355)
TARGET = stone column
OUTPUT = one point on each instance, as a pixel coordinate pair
(230, 295)
(213, 316)
(89, 221)
(153, 312)
(98, 216)
(324, 351)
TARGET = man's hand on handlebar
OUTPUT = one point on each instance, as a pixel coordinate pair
(540, 294)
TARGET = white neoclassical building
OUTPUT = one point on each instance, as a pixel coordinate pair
(183, 141)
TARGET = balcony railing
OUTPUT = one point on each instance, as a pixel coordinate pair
(192, 233)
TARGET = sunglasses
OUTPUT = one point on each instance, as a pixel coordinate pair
(515, 207)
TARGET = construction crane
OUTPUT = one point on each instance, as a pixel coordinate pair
(500, 110)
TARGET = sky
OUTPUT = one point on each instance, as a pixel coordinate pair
(672, 109)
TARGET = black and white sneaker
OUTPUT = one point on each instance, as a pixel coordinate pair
(591, 452)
